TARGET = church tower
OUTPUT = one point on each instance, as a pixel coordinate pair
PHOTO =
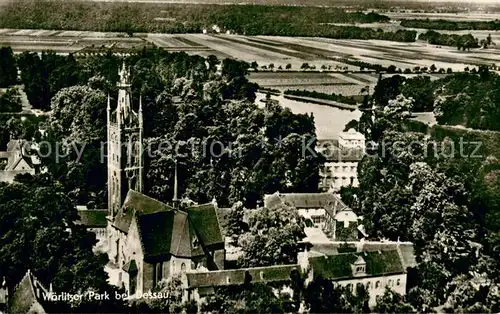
(125, 150)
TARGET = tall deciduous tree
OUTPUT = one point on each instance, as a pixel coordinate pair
(8, 68)
(273, 237)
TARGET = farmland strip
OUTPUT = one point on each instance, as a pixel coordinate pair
(188, 42)
(268, 48)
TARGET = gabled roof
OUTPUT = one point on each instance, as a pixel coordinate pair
(156, 232)
(205, 222)
(92, 218)
(237, 276)
(304, 200)
(137, 202)
(339, 266)
(24, 295)
(167, 231)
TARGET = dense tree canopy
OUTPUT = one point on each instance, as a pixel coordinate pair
(272, 238)
(422, 189)
(37, 232)
(8, 69)
(193, 18)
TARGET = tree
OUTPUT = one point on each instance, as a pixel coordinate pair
(288, 66)
(10, 101)
(392, 302)
(433, 68)
(8, 68)
(449, 70)
(322, 297)
(273, 237)
(235, 225)
(254, 65)
(304, 66)
(271, 66)
(77, 132)
(249, 298)
(391, 69)
(38, 217)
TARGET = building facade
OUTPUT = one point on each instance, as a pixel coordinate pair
(342, 158)
(18, 159)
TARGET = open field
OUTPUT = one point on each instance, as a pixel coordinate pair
(280, 51)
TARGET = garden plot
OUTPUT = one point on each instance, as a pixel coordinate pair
(276, 79)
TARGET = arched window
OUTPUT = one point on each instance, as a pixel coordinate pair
(159, 272)
(183, 267)
(368, 285)
(377, 284)
(390, 283)
(398, 282)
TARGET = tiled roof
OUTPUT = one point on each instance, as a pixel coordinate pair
(156, 232)
(24, 295)
(174, 231)
(339, 266)
(139, 202)
(92, 218)
(304, 200)
(237, 276)
(408, 255)
(204, 220)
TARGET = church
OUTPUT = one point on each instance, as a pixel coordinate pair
(147, 240)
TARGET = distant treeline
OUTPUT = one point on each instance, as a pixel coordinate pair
(460, 41)
(185, 18)
(314, 94)
(451, 25)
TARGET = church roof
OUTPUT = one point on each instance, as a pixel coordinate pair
(156, 232)
(339, 266)
(167, 231)
(137, 202)
(205, 221)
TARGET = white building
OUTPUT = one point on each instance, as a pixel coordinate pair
(311, 206)
(342, 158)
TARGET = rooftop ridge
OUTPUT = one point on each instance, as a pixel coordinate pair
(144, 195)
(244, 269)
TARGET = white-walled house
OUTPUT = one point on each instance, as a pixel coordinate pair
(342, 158)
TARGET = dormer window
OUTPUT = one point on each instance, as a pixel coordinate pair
(359, 267)
(196, 243)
